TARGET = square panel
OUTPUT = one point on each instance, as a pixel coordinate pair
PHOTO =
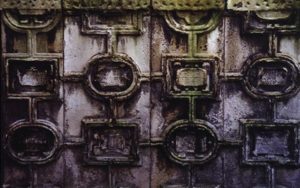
(270, 143)
(191, 76)
(110, 143)
(26, 77)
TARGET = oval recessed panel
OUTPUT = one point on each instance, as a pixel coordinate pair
(191, 143)
(32, 143)
(268, 77)
(112, 76)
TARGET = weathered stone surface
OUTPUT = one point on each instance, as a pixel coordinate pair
(146, 93)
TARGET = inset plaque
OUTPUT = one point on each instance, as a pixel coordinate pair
(190, 143)
(32, 143)
(268, 77)
(32, 77)
(270, 143)
(191, 77)
(108, 143)
(112, 76)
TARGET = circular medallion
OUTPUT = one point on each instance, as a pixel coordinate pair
(270, 77)
(190, 143)
(32, 143)
(112, 76)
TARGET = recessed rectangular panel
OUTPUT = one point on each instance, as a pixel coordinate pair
(31, 77)
(110, 143)
(275, 143)
(190, 76)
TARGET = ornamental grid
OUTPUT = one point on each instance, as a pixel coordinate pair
(140, 93)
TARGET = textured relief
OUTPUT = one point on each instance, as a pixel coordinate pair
(190, 76)
(102, 23)
(112, 76)
(32, 143)
(270, 143)
(254, 5)
(189, 143)
(271, 77)
(42, 19)
(30, 4)
(110, 143)
(193, 21)
(31, 77)
(106, 4)
(187, 4)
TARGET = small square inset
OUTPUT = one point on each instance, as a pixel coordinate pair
(191, 76)
(108, 143)
(31, 77)
(270, 143)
